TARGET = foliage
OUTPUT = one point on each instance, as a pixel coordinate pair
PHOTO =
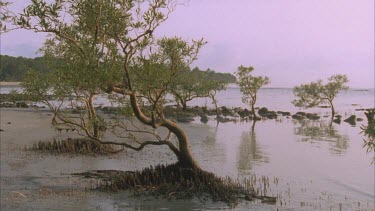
(369, 131)
(15, 68)
(212, 75)
(195, 84)
(107, 46)
(250, 85)
(315, 93)
(6, 16)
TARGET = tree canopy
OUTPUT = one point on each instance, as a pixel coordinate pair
(315, 93)
(250, 85)
(107, 47)
(195, 83)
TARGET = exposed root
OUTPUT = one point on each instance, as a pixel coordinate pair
(174, 182)
(76, 146)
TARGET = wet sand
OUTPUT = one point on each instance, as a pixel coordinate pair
(308, 169)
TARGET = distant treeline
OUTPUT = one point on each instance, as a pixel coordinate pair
(15, 68)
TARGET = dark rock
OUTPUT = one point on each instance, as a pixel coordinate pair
(262, 111)
(359, 119)
(298, 117)
(226, 112)
(1, 130)
(337, 121)
(312, 116)
(351, 120)
(301, 113)
(270, 115)
(9, 123)
(204, 119)
(185, 117)
(244, 113)
(286, 113)
(21, 105)
(338, 116)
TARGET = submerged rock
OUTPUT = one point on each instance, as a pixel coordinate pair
(312, 116)
(359, 119)
(351, 120)
(301, 113)
(204, 119)
(262, 111)
(337, 121)
(298, 117)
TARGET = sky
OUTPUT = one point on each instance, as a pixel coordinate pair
(290, 41)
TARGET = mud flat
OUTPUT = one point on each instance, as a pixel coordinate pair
(307, 166)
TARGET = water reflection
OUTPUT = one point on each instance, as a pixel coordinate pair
(322, 131)
(250, 151)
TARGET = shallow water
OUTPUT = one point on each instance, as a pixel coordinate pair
(310, 164)
(272, 98)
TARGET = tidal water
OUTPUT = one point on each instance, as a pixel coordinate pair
(310, 165)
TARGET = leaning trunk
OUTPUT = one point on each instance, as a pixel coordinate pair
(183, 154)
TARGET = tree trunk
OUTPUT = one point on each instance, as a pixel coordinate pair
(332, 109)
(183, 154)
(184, 104)
(254, 113)
(93, 117)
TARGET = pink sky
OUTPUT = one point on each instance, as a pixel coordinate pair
(291, 41)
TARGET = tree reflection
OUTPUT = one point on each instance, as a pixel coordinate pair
(322, 131)
(250, 151)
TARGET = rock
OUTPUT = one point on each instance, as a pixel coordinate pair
(262, 111)
(226, 112)
(312, 116)
(359, 119)
(286, 113)
(270, 115)
(337, 120)
(9, 123)
(301, 113)
(338, 116)
(21, 105)
(1, 130)
(185, 117)
(204, 119)
(351, 120)
(298, 117)
(244, 113)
